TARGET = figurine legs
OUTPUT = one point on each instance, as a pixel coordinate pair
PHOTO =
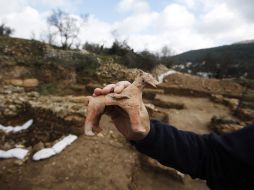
(93, 119)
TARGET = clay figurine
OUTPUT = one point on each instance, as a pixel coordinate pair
(130, 100)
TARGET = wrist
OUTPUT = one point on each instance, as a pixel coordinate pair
(140, 135)
(147, 137)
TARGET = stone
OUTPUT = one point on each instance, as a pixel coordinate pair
(161, 116)
(217, 98)
(230, 102)
(159, 101)
(30, 83)
(74, 117)
(19, 162)
(33, 94)
(245, 114)
(19, 146)
(226, 128)
(79, 99)
(222, 125)
(100, 135)
(155, 165)
(151, 108)
(9, 113)
(15, 82)
(38, 146)
(12, 107)
(150, 93)
(7, 146)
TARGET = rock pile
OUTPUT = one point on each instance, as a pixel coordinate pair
(224, 125)
(112, 72)
(53, 116)
(27, 83)
(11, 100)
(14, 100)
(246, 114)
(231, 102)
(155, 113)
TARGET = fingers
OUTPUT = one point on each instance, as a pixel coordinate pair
(107, 89)
(117, 88)
(120, 86)
(97, 92)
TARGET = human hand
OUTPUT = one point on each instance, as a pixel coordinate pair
(117, 88)
(121, 116)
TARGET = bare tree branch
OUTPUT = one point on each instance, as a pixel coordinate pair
(66, 25)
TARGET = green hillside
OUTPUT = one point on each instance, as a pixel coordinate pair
(225, 61)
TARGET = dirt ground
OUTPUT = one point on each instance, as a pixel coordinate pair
(197, 113)
(108, 161)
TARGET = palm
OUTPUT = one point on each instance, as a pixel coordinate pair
(120, 116)
(122, 122)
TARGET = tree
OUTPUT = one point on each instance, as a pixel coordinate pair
(66, 26)
(143, 60)
(166, 51)
(5, 30)
(147, 60)
(78, 43)
(120, 48)
(93, 47)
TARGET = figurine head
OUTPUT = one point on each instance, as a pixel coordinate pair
(146, 78)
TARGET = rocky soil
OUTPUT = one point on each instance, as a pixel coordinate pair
(106, 161)
(200, 86)
(29, 77)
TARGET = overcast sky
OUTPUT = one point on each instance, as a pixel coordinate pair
(145, 24)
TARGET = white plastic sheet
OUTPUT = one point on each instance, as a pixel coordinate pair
(10, 129)
(18, 153)
(162, 76)
(56, 149)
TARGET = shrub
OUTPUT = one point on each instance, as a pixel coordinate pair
(120, 48)
(5, 30)
(85, 64)
(94, 48)
(144, 60)
(47, 89)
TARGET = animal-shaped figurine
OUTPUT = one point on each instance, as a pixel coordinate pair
(129, 99)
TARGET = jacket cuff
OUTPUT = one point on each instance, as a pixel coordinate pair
(150, 138)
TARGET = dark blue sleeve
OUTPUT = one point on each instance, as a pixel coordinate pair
(217, 159)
